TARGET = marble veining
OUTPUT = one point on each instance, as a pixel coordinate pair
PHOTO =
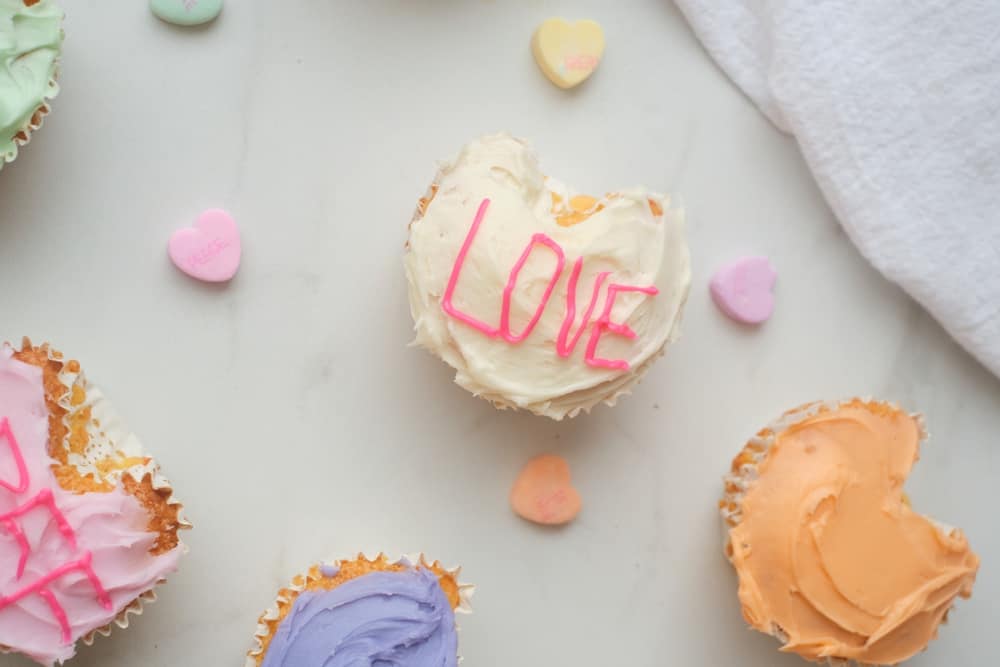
(288, 406)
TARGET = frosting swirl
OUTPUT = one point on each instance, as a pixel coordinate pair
(831, 557)
(30, 41)
(385, 618)
(540, 298)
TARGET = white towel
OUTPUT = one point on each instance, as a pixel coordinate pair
(896, 107)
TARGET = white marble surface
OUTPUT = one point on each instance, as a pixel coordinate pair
(290, 414)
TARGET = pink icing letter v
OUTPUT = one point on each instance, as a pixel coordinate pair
(564, 348)
(15, 450)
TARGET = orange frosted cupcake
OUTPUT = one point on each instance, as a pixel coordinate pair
(364, 611)
(831, 558)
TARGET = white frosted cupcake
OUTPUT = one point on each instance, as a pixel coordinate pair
(831, 558)
(538, 297)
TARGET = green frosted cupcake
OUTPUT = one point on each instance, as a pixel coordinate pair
(30, 43)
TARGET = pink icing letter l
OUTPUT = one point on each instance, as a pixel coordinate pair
(503, 331)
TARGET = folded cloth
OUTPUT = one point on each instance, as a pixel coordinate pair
(896, 107)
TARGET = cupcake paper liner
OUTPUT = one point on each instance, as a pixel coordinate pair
(23, 137)
(286, 596)
(109, 438)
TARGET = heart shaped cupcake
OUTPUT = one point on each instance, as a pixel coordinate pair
(832, 559)
(538, 297)
(88, 524)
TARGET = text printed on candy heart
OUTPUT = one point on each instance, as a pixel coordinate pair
(208, 253)
(601, 326)
(581, 62)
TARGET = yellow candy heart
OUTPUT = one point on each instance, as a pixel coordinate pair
(568, 52)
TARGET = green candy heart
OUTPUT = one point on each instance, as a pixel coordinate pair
(186, 12)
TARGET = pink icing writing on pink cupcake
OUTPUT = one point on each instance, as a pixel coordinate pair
(15, 450)
(563, 348)
(112, 526)
(44, 498)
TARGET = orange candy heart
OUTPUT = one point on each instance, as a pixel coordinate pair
(544, 493)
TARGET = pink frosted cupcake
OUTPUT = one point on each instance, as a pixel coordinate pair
(88, 525)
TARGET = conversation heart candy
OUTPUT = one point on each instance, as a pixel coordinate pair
(742, 289)
(186, 12)
(210, 250)
(567, 52)
(544, 493)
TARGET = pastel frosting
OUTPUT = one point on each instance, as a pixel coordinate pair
(400, 618)
(30, 43)
(511, 274)
(70, 565)
(830, 555)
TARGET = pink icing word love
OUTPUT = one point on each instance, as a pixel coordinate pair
(209, 251)
(563, 347)
(15, 454)
(742, 289)
(82, 564)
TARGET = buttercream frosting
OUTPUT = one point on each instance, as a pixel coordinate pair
(69, 562)
(831, 557)
(538, 297)
(30, 43)
(386, 618)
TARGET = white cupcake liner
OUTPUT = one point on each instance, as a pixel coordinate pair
(758, 448)
(613, 391)
(110, 438)
(256, 654)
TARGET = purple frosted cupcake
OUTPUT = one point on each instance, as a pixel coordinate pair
(363, 611)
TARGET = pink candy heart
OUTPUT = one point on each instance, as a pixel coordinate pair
(210, 250)
(742, 289)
